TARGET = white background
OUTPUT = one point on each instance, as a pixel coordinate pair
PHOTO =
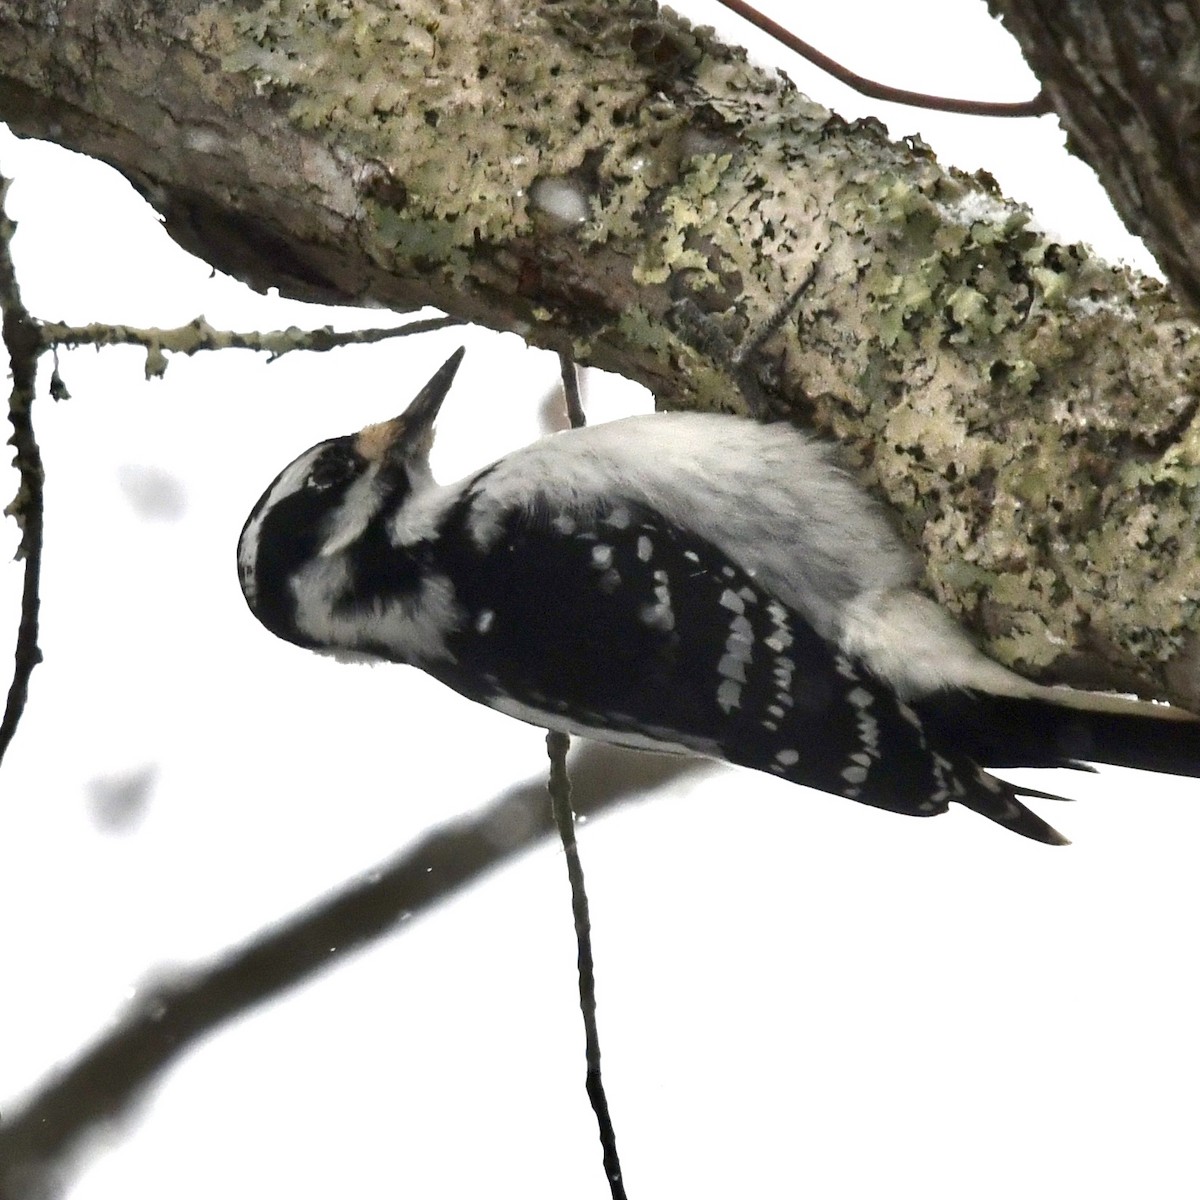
(798, 996)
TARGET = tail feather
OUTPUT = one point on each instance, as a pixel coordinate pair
(998, 801)
(1054, 728)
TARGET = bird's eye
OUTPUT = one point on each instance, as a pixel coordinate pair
(337, 465)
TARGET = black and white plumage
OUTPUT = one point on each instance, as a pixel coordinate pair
(674, 581)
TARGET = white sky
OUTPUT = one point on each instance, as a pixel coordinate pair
(799, 996)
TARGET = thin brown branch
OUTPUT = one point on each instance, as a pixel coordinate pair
(571, 397)
(198, 335)
(1036, 107)
(22, 341)
(557, 745)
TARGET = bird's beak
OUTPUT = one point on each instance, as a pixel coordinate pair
(410, 434)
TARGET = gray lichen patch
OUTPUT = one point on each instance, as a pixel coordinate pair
(1047, 398)
(690, 206)
(461, 115)
(997, 385)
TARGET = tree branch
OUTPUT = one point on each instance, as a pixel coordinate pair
(108, 1078)
(557, 745)
(198, 335)
(1123, 80)
(642, 197)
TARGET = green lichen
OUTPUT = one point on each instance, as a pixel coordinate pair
(400, 88)
(690, 206)
(1009, 448)
(968, 306)
(1029, 643)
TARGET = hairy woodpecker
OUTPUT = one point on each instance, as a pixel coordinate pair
(677, 581)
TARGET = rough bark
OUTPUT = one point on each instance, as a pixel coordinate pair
(600, 177)
(1124, 75)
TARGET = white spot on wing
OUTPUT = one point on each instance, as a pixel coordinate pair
(732, 668)
(868, 733)
(732, 601)
(658, 616)
(740, 630)
(844, 668)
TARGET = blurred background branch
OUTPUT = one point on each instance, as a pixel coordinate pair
(105, 1083)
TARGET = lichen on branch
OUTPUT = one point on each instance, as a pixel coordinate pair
(607, 180)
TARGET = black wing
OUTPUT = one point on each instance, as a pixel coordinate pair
(615, 623)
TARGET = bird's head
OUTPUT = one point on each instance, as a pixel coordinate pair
(291, 560)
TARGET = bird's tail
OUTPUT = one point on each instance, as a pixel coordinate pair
(1059, 727)
(1053, 727)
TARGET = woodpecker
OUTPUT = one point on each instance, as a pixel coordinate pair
(678, 581)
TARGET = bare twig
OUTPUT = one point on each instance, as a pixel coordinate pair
(102, 1085)
(557, 745)
(22, 341)
(570, 382)
(199, 335)
(1036, 107)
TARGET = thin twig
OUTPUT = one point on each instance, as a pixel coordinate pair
(104, 1083)
(22, 341)
(571, 397)
(199, 335)
(1036, 107)
(557, 745)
